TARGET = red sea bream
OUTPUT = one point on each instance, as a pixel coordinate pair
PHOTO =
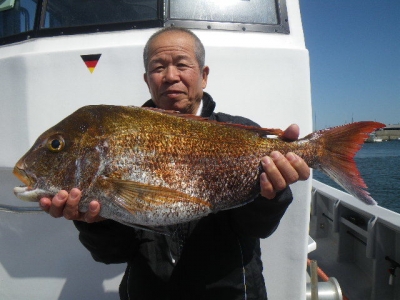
(150, 167)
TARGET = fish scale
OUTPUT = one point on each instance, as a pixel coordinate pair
(149, 167)
(176, 166)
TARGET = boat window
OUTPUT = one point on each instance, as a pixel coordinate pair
(25, 19)
(250, 15)
(72, 13)
(17, 17)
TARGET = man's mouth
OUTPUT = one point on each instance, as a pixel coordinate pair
(172, 93)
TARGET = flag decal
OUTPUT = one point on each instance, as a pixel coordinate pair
(91, 61)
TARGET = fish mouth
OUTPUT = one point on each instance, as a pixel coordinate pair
(21, 175)
(27, 192)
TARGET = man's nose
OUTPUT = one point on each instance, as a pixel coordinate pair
(171, 74)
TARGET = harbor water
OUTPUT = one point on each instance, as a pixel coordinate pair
(379, 165)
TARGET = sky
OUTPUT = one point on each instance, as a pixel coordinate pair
(354, 48)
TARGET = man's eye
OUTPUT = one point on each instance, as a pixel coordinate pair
(157, 68)
(182, 66)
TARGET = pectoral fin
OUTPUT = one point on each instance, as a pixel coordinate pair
(158, 205)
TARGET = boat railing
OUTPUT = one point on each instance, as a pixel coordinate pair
(356, 240)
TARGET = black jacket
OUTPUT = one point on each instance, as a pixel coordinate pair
(216, 257)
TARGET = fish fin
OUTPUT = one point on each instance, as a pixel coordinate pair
(258, 130)
(337, 148)
(136, 196)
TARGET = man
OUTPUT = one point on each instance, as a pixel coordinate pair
(216, 257)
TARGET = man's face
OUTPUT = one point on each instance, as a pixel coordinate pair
(173, 76)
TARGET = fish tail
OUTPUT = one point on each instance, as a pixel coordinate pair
(336, 148)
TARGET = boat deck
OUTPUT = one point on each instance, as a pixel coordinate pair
(355, 284)
(354, 242)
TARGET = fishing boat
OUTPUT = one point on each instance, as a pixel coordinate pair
(56, 56)
(372, 138)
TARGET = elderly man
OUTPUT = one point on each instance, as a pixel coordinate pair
(216, 257)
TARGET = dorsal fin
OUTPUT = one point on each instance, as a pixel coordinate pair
(259, 130)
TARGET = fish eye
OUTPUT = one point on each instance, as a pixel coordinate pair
(55, 144)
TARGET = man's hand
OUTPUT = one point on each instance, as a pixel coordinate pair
(280, 170)
(66, 205)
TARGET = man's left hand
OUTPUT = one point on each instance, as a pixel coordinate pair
(281, 170)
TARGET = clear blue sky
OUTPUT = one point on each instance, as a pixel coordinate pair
(354, 50)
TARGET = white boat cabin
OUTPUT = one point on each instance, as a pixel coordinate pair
(56, 56)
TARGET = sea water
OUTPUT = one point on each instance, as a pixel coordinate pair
(379, 165)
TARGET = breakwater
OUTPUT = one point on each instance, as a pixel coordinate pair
(389, 133)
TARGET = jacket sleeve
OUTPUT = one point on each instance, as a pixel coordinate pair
(108, 241)
(261, 217)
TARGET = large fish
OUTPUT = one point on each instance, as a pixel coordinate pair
(149, 167)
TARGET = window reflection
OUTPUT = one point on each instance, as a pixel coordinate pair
(241, 11)
(19, 19)
(69, 13)
(79, 16)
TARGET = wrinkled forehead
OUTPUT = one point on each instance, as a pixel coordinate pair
(173, 41)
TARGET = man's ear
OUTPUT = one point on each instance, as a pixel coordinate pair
(146, 79)
(205, 72)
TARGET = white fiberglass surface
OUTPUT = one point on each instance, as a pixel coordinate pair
(42, 81)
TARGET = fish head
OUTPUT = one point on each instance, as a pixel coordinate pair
(37, 168)
(62, 157)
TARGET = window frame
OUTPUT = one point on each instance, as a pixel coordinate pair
(281, 27)
(163, 20)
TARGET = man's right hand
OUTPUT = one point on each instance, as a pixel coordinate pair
(66, 205)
